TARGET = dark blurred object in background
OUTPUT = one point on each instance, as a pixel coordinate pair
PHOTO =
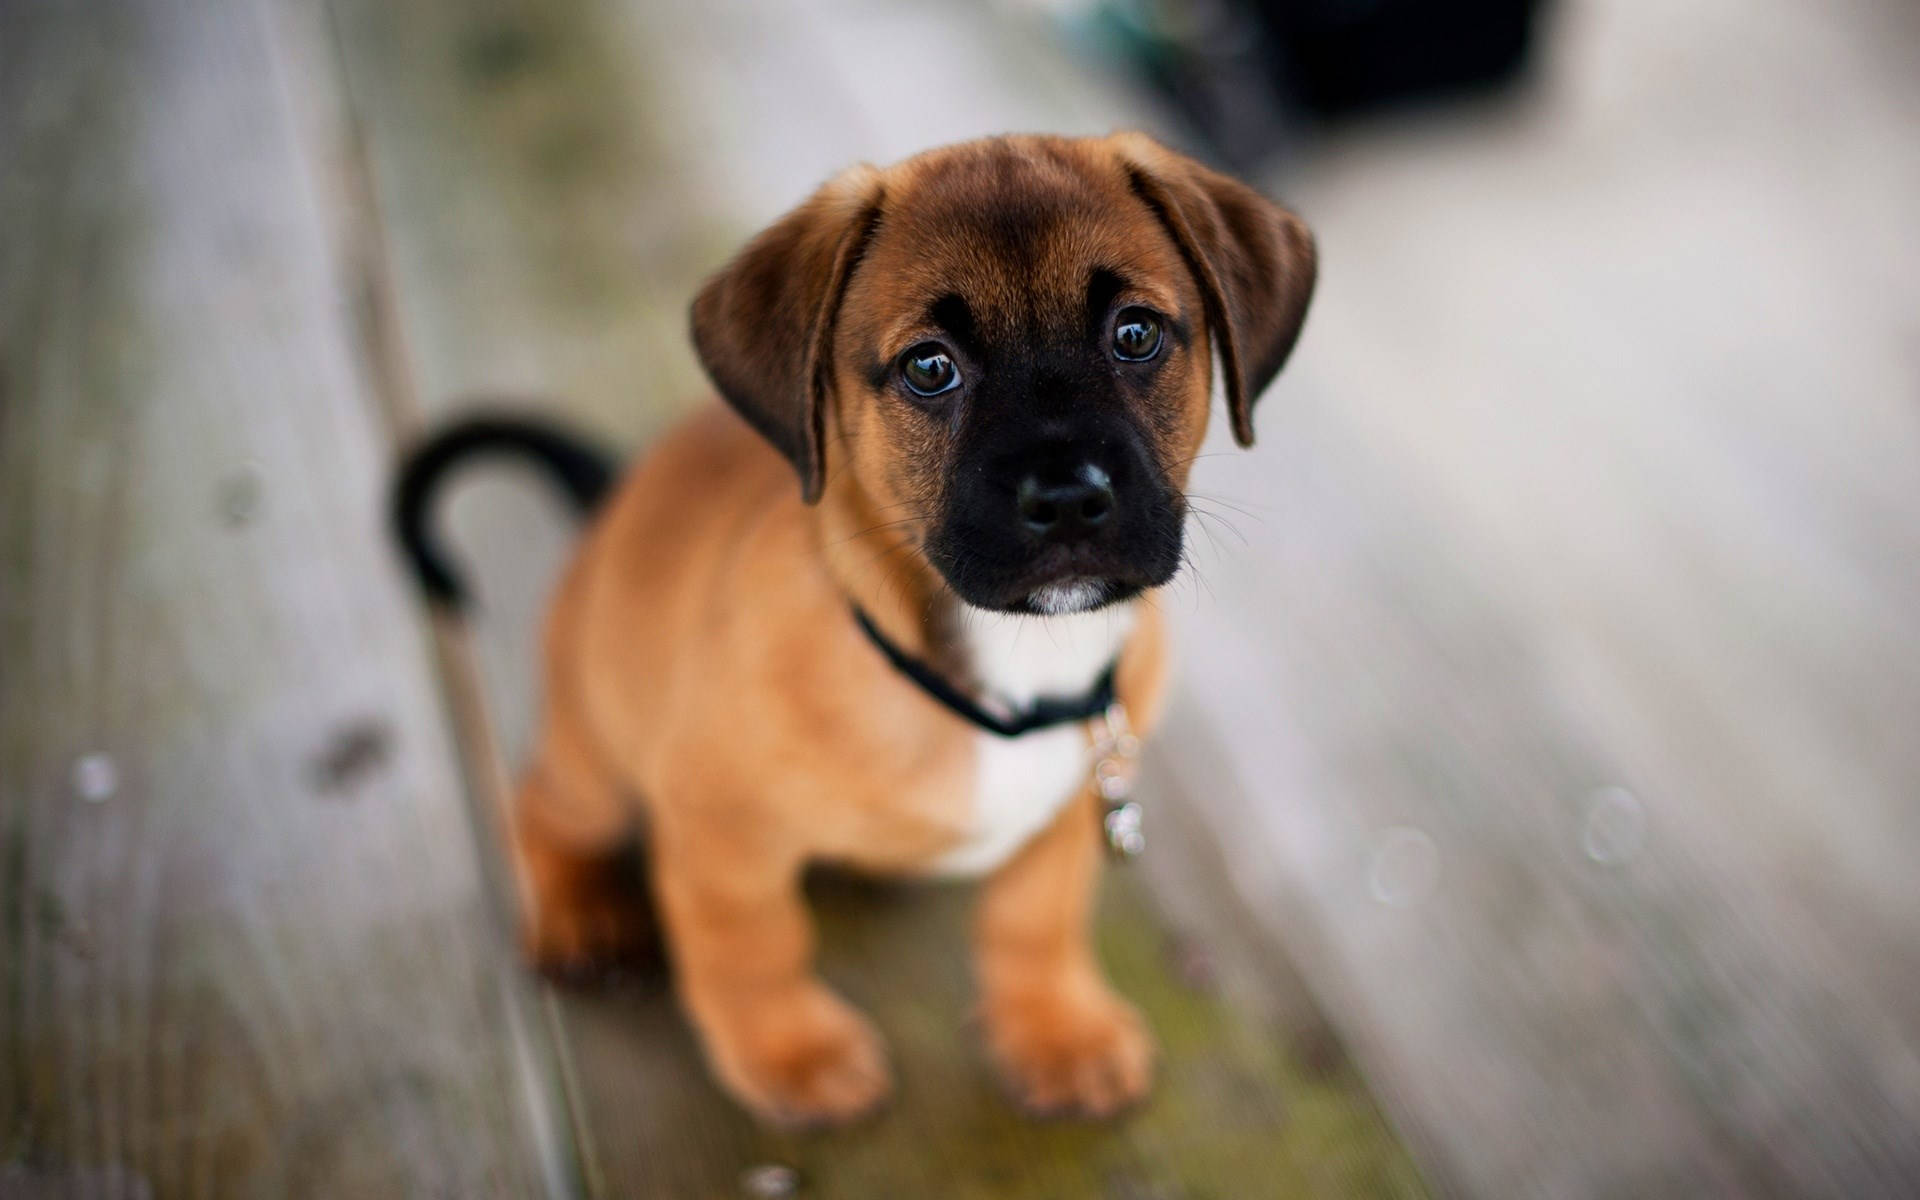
(1339, 56)
(1211, 59)
(1247, 73)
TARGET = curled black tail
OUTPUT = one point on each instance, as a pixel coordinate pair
(584, 471)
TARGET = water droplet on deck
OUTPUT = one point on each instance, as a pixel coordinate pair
(1614, 828)
(770, 1181)
(95, 778)
(1406, 865)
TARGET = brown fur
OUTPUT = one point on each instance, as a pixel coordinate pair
(702, 664)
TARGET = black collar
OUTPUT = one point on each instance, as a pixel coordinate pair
(1044, 713)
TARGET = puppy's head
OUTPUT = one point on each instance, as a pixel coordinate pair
(1006, 348)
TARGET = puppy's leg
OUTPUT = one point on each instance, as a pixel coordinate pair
(1061, 1037)
(584, 898)
(781, 1041)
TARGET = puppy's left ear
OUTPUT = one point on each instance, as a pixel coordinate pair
(1254, 261)
(763, 326)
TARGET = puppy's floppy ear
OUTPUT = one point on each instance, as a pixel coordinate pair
(1254, 261)
(763, 326)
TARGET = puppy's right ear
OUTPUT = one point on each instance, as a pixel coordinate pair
(763, 326)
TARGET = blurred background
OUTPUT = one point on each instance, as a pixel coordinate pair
(1539, 812)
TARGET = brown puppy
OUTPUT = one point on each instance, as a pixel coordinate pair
(991, 367)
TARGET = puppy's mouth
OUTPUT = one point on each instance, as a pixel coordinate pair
(1071, 596)
(1057, 581)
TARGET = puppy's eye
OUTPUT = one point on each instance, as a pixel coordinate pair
(929, 370)
(1136, 335)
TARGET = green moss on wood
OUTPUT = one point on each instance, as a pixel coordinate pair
(1238, 1112)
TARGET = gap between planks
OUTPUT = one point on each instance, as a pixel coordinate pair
(540, 1049)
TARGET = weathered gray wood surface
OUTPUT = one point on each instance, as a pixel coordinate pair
(1555, 716)
(1599, 468)
(245, 951)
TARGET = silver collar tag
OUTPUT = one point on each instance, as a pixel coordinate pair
(1116, 754)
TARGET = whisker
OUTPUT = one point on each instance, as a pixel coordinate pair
(1258, 513)
(872, 529)
(1216, 519)
(1208, 454)
(1199, 579)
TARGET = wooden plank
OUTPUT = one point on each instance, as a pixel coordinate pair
(244, 949)
(460, 106)
(1591, 508)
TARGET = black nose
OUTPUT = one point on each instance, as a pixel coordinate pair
(1065, 509)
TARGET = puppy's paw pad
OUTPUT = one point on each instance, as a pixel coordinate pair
(1090, 1058)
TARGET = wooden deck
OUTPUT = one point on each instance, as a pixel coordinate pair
(1544, 790)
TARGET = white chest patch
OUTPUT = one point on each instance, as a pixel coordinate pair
(1020, 783)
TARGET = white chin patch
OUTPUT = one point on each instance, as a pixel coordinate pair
(1058, 599)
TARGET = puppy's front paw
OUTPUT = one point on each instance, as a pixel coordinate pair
(1071, 1051)
(797, 1056)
